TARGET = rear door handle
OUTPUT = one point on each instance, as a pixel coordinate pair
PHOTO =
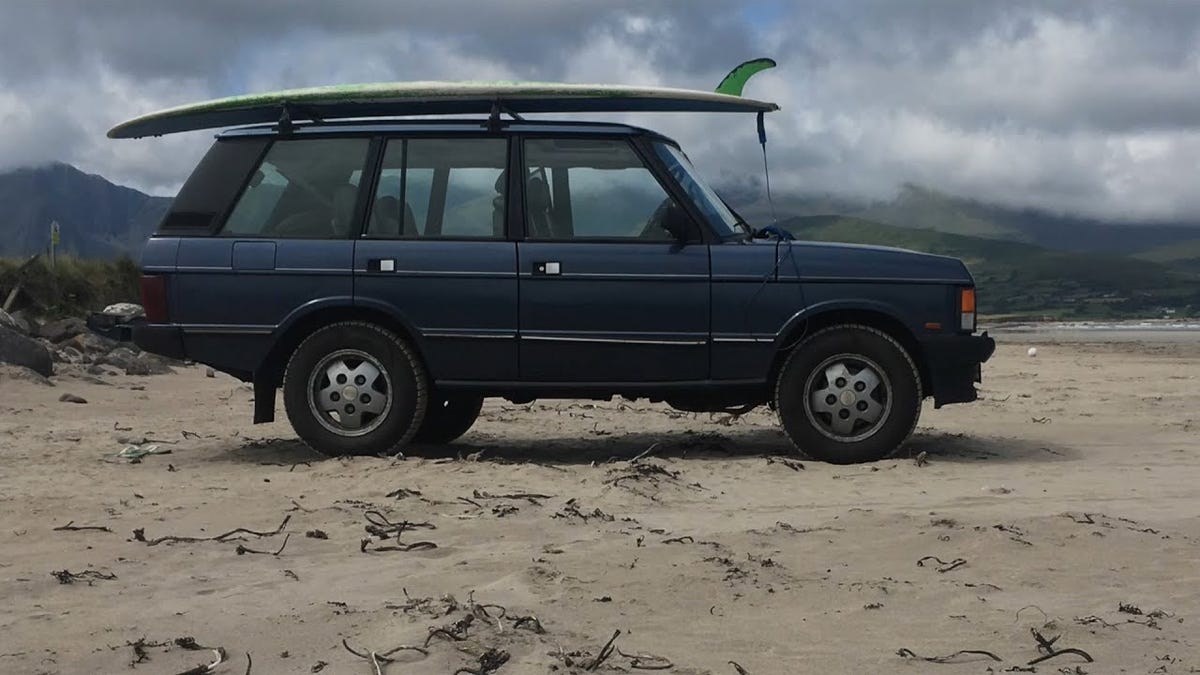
(547, 267)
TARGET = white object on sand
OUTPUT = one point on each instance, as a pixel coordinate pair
(1032, 351)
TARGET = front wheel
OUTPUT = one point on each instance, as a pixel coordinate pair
(447, 418)
(354, 388)
(848, 394)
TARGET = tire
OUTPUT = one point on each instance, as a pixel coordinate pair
(447, 418)
(848, 394)
(335, 363)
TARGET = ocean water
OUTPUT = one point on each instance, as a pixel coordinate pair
(1157, 330)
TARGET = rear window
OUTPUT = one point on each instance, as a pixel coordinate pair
(304, 188)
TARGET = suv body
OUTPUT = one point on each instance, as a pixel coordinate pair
(434, 263)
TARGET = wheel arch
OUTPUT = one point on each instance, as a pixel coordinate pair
(315, 315)
(877, 316)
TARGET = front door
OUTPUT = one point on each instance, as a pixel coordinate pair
(607, 295)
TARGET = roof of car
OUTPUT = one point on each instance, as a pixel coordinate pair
(391, 99)
(447, 126)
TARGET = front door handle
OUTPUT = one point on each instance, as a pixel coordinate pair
(547, 267)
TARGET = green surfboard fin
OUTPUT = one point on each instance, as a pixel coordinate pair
(736, 80)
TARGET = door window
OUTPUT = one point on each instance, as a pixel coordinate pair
(302, 189)
(592, 189)
(435, 188)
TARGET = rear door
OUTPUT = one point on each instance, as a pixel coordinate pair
(434, 251)
(606, 295)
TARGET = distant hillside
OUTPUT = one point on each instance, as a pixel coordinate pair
(97, 218)
(921, 208)
(1183, 255)
(1022, 279)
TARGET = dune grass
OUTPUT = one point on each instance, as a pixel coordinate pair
(73, 287)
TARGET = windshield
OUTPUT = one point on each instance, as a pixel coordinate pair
(722, 219)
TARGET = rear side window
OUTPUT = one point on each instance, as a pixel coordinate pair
(591, 189)
(435, 188)
(213, 186)
(302, 189)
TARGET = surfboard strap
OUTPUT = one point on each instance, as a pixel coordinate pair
(762, 141)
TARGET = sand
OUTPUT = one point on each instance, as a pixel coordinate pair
(712, 548)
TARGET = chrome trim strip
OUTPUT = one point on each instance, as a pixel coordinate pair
(872, 280)
(744, 339)
(218, 329)
(469, 336)
(443, 273)
(621, 277)
(619, 341)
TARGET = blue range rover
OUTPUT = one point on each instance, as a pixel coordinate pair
(389, 275)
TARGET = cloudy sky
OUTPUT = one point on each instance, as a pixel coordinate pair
(1085, 107)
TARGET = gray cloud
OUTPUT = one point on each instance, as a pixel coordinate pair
(1085, 107)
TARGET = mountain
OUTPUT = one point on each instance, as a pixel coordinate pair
(97, 219)
(922, 208)
(1023, 280)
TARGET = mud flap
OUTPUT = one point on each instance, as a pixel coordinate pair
(264, 400)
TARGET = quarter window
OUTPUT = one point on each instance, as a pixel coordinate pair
(432, 188)
(591, 189)
(303, 188)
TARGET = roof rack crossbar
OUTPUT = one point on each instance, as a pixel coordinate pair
(498, 107)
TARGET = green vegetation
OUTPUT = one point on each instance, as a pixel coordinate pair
(1018, 280)
(73, 287)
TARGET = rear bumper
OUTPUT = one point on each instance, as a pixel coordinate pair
(955, 365)
(162, 339)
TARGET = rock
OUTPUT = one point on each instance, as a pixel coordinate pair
(23, 374)
(126, 310)
(24, 325)
(72, 398)
(68, 355)
(97, 369)
(62, 329)
(120, 357)
(22, 351)
(148, 364)
(209, 372)
(92, 344)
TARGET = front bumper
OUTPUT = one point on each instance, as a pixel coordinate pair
(162, 339)
(955, 364)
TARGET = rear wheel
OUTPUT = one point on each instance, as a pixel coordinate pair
(354, 388)
(447, 418)
(848, 394)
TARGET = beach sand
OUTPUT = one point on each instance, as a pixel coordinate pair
(1071, 492)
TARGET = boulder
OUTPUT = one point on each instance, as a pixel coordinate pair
(97, 369)
(120, 357)
(62, 329)
(23, 351)
(126, 310)
(22, 374)
(92, 344)
(68, 355)
(23, 324)
(148, 364)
